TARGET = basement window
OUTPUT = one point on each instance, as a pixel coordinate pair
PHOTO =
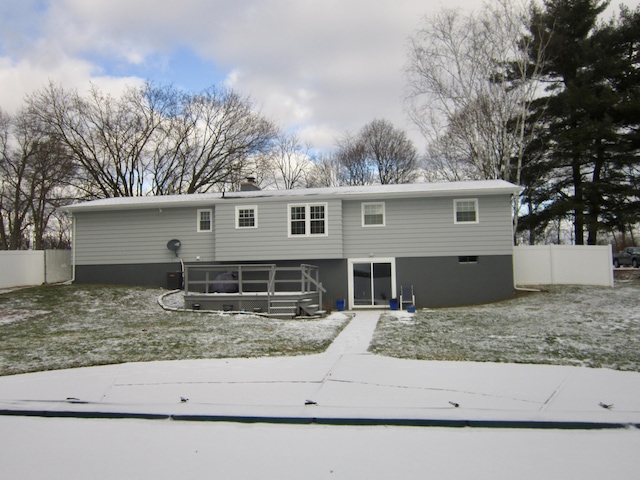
(468, 259)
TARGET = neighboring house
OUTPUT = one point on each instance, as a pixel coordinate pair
(453, 242)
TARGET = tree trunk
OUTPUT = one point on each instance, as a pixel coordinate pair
(578, 198)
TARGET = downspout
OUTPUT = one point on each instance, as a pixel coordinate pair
(73, 248)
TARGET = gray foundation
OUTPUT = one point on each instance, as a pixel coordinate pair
(437, 281)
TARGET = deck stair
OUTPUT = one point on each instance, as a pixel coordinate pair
(307, 307)
(284, 309)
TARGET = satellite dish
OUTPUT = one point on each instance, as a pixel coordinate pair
(174, 246)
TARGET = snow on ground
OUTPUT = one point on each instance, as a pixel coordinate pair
(561, 325)
(342, 379)
(70, 326)
(13, 316)
(82, 325)
(70, 449)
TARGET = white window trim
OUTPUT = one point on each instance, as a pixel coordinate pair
(307, 219)
(255, 216)
(350, 286)
(210, 220)
(455, 211)
(384, 214)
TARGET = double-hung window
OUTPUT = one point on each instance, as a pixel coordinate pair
(373, 214)
(205, 220)
(247, 216)
(307, 219)
(465, 211)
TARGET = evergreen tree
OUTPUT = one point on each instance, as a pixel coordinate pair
(620, 64)
(590, 113)
(564, 28)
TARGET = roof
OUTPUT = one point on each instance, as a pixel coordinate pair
(449, 189)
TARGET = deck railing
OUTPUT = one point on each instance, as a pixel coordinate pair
(263, 278)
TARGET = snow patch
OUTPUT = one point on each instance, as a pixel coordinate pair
(13, 316)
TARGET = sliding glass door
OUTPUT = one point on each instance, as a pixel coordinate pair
(371, 282)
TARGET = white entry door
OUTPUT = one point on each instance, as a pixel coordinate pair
(372, 282)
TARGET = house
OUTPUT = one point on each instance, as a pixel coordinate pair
(453, 242)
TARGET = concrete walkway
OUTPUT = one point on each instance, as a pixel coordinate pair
(344, 385)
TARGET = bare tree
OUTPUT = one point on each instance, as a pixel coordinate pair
(379, 153)
(391, 153)
(34, 172)
(14, 208)
(287, 164)
(155, 139)
(325, 172)
(210, 143)
(52, 171)
(110, 138)
(469, 90)
(354, 165)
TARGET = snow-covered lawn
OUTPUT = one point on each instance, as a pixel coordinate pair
(562, 325)
(54, 327)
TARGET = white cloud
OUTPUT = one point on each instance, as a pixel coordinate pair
(45, 63)
(321, 66)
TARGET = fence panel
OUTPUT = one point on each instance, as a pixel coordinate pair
(58, 267)
(21, 268)
(563, 264)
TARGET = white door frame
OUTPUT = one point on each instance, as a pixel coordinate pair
(371, 260)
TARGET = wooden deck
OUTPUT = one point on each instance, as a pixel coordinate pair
(281, 292)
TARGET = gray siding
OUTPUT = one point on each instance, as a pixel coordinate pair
(270, 241)
(139, 237)
(425, 227)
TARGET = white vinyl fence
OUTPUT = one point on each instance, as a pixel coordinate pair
(20, 268)
(533, 265)
(563, 264)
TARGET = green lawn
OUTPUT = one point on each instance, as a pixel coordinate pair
(53, 327)
(561, 325)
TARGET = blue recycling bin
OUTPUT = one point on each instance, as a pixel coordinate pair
(340, 305)
(393, 304)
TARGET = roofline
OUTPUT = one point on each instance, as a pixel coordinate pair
(378, 192)
(140, 203)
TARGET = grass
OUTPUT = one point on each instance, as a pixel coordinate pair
(561, 325)
(54, 327)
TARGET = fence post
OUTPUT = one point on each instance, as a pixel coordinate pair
(553, 263)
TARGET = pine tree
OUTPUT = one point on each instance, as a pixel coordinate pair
(565, 28)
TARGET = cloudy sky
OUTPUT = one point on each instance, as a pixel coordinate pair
(317, 67)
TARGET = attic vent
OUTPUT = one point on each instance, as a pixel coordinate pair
(249, 185)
